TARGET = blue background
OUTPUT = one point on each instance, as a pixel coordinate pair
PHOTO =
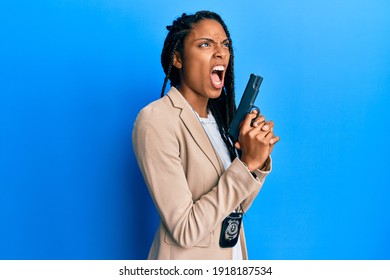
(74, 74)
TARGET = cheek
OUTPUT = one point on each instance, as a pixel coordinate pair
(196, 68)
(193, 70)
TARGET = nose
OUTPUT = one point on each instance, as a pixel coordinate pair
(221, 51)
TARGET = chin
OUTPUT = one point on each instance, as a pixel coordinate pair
(217, 92)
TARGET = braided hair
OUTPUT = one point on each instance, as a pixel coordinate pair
(223, 107)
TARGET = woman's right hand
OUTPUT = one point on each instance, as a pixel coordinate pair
(256, 140)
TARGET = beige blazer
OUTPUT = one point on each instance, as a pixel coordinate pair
(188, 184)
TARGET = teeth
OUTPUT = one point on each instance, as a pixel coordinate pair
(219, 68)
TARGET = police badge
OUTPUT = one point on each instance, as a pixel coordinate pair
(230, 230)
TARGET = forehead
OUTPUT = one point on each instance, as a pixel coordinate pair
(208, 28)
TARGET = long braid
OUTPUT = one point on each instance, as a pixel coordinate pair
(223, 131)
(233, 152)
(169, 68)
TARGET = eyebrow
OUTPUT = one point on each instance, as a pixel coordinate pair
(211, 40)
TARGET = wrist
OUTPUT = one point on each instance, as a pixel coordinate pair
(248, 166)
(253, 173)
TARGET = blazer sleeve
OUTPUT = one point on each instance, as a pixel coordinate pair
(156, 147)
(261, 175)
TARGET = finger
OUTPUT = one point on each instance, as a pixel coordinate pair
(272, 143)
(263, 138)
(263, 129)
(237, 145)
(258, 121)
(274, 140)
(260, 118)
(268, 126)
(246, 123)
(269, 136)
(259, 132)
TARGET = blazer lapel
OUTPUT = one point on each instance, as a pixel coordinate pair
(195, 128)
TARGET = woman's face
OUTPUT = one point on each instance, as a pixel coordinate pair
(205, 60)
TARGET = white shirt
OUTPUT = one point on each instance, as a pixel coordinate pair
(211, 127)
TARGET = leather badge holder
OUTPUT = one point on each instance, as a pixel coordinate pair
(230, 230)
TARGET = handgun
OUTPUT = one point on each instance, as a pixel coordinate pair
(245, 106)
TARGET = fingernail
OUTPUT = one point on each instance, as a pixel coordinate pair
(265, 127)
(271, 141)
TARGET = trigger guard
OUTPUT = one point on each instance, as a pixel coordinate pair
(257, 109)
(258, 113)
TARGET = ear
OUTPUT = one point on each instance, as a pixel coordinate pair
(177, 62)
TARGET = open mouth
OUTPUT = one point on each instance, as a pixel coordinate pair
(217, 74)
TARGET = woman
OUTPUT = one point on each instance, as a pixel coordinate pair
(193, 173)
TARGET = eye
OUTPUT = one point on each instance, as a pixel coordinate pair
(226, 44)
(204, 45)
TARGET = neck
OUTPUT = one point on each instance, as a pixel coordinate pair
(198, 103)
(200, 109)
